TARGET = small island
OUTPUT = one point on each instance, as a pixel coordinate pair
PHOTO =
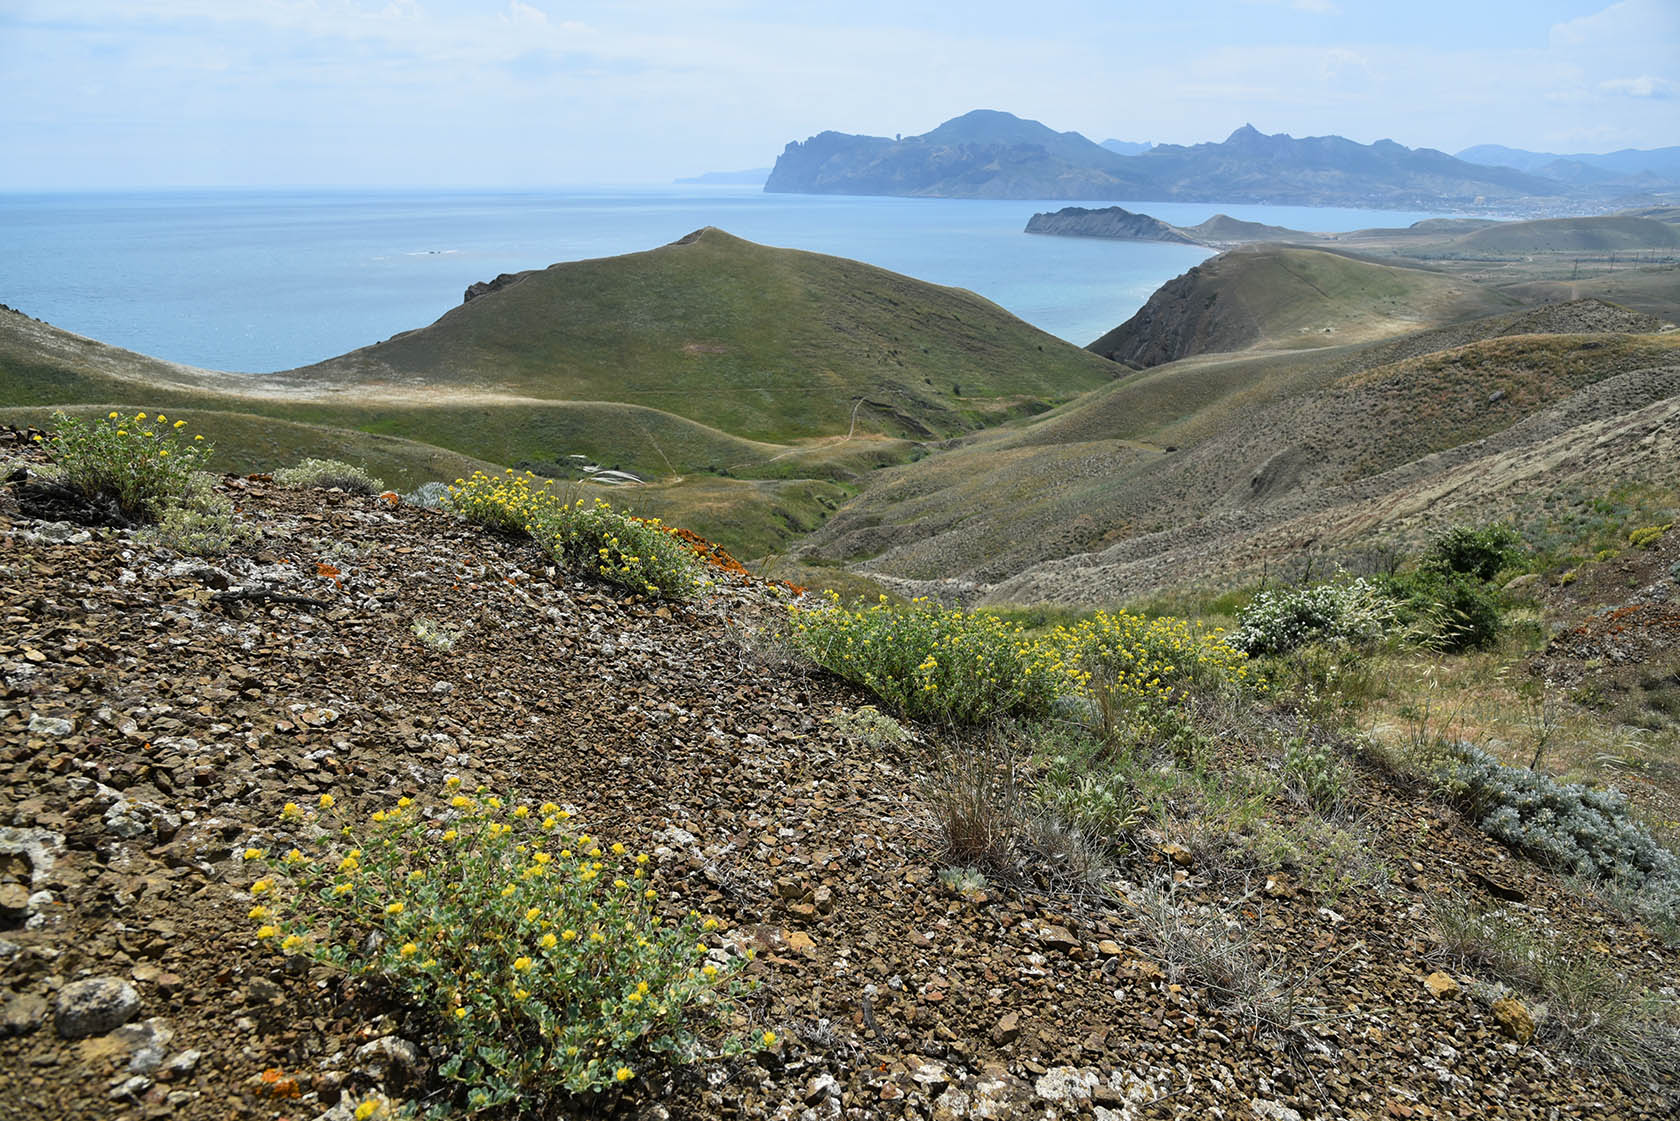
(1117, 223)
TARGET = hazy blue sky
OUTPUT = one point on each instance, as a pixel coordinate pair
(101, 93)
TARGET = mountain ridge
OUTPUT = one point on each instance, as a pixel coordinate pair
(993, 154)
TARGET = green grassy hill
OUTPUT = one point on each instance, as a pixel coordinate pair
(1286, 298)
(1572, 235)
(768, 344)
(756, 386)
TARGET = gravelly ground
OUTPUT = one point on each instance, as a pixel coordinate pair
(128, 692)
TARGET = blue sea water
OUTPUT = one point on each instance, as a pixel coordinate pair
(266, 280)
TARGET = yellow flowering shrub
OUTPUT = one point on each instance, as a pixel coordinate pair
(930, 663)
(641, 555)
(141, 463)
(1137, 669)
(539, 951)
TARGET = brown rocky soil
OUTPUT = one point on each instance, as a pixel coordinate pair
(157, 712)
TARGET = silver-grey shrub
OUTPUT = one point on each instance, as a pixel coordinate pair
(1569, 826)
(328, 473)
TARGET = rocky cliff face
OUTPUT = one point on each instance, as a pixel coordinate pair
(485, 287)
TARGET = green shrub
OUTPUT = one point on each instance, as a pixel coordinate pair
(141, 464)
(1274, 622)
(539, 953)
(1450, 611)
(634, 553)
(1315, 775)
(328, 473)
(929, 663)
(201, 530)
(1096, 796)
(1477, 553)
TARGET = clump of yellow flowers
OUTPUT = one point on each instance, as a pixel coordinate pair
(143, 463)
(934, 663)
(540, 950)
(635, 553)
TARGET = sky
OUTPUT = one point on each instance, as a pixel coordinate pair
(104, 94)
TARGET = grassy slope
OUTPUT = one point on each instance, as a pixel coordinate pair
(1572, 235)
(1655, 291)
(1287, 298)
(1249, 435)
(769, 344)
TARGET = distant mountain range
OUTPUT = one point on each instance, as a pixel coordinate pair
(1127, 147)
(991, 154)
(1629, 165)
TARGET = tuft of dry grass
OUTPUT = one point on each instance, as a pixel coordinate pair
(1581, 1004)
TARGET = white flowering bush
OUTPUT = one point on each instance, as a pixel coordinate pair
(1277, 622)
(539, 952)
(1569, 826)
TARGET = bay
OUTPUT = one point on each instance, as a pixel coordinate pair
(266, 280)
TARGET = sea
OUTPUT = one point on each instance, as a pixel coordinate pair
(264, 280)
